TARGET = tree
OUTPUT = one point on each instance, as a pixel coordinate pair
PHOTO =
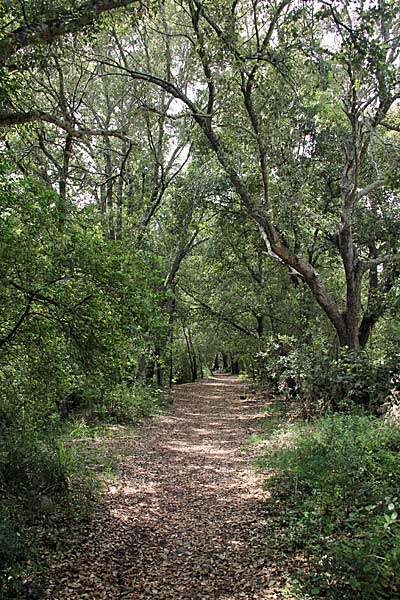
(246, 58)
(28, 24)
(309, 158)
(75, 306)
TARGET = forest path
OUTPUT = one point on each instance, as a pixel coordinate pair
(186, 520)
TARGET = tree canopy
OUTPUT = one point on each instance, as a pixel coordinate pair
(189, 186)
(248, 149)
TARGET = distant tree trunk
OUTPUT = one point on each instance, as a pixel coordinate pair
(171, 361)
(103, 201)
(150, 369)
(63, 183)
(130, 196)
(191, 354)
(65, 166)
(260, 325)
(149, 372)
(154, 367)
(215, 366)
(141, 368)
(194, 357)
(159, 370)
(120, 203)
(109, 191)
(234, 365)
(171, 310)
(371, 315)
(225, 362)
(201, 364)
(194, 370)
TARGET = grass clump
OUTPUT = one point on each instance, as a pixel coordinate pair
(129, 403)
(337, 481)
(39, 479)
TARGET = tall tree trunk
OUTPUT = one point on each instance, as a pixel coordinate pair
(191, 354)
(215, 366)
(63, 183)
(260, 325)
(234, 366)
(171, 308)
(120, 203)
(171, 358)
(194, 357)
(130, 196)
(108, 198)
(159, 369)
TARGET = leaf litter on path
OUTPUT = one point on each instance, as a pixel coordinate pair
(186, 520)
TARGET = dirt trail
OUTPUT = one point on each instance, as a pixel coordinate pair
(186, 519)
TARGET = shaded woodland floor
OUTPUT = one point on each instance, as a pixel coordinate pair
(186, 519)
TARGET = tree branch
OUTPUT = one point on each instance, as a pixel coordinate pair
(8, 119)
(260, 215)
(218, 315)
(66, 21)
(18, 324)
(370, 188)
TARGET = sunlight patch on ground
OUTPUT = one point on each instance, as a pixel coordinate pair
(202, 449)
(186, 519)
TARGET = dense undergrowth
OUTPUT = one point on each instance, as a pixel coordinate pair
(336, 482)
(334, 467)
(50, 474)
(322, 382)
(77, 311)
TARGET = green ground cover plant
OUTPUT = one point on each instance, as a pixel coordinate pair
(337, 482)
(51, 473)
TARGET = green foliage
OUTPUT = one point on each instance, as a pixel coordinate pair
(39, 475)
(75, 308)
(77, 312)
(322, 383)
(128, 403)
(12, 551)
(27, 456)
(10, 542)
(338, 484)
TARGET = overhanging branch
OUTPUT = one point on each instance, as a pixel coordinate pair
(8, 119)
(66, 21)
(218, 315)
(370, 188)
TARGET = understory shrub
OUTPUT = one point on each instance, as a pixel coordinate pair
(36, 475)
(10, 540)
(337, 481)
(12, 551)
(323, 383)
(28, 459)
(128, 403)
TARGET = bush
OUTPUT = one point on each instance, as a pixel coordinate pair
(323, 383)
(34, 462)
(339, 478)
(12, 551)
(11, 547)
(39, 476)
(128, 403)
(49, 478)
